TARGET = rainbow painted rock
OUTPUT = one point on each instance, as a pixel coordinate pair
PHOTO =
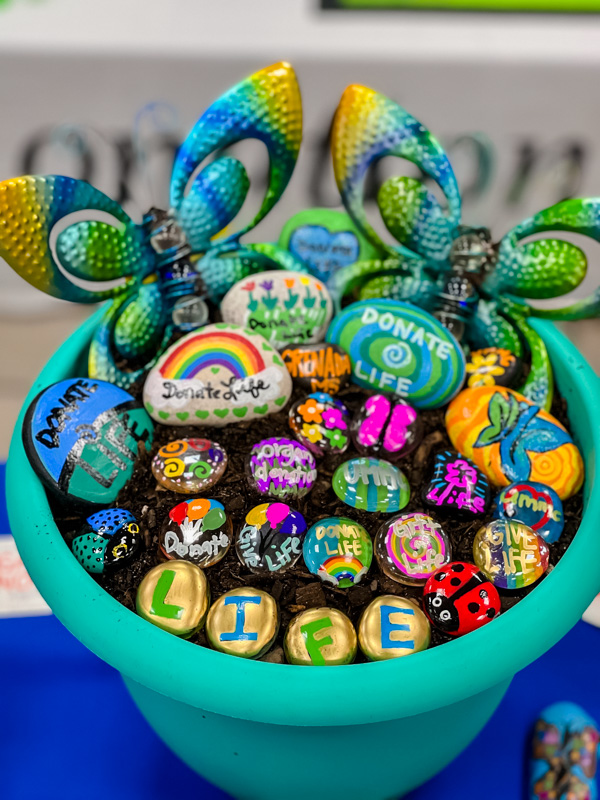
(396, 347)
(371, 485)
(189, 466)
(410, 547)
(391, 627)
(281, 468)
(82, 437)
(338, 550)
(386, 426)
(456, 488)
(318, 367)
(285, 307)
(492, 366)
(458, 599)
(271, 538)
(217, 375)
(321, 423)
(510, 554)
(197, 530)
(110, 540)
(511, 439)
(535, 505)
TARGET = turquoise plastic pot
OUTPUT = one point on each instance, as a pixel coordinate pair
(270, 731)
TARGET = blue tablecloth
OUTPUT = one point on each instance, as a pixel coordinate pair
(69, 730)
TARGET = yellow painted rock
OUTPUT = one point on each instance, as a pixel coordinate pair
(174, 596)
(511, 439)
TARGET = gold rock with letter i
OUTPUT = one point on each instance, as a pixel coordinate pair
(243, 622)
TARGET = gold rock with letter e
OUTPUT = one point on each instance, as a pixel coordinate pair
(243, 622)
(174, 596)
(320, 637)
(391, 627)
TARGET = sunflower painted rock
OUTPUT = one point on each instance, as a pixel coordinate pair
(511, 439)
(492, 366)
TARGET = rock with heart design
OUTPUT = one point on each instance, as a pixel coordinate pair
(283, 306)
(511, 439)
(386, 426)
(271, 539)
(215, 376)
(197, 530)
(189, 466)
(533, 504)
(321, 423)
(318, 367)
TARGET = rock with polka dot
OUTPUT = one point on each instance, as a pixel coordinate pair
(458, 599)
(110, 540)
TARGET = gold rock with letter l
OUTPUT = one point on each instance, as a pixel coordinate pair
(243, 622)
(320, 637)
(174, 596)
(391, 627)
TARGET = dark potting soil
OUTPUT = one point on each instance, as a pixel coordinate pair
(296, 589)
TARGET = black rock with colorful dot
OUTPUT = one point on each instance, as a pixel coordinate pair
(110, 539)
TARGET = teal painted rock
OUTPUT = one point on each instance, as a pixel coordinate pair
(371, 484)
(396, 347)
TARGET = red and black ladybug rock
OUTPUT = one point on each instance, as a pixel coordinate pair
(458, 599)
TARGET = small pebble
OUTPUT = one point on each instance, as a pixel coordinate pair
(492, 366)
(318, 367)
(410, 547)
(197, 530)
(510, 554)
(321, 423)
(456, 488)
(281, 468)
(386, 426)
(535, 505)
(110, 540)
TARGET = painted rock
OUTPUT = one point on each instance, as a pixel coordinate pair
(457, 488)
(338, 550)
(271, 539)
(318, 367)
(410, 547)
(243, 622)
(386, 426)
(110, 540)
(197, 530)
(511, 439)
(174, 596)
(325, 240)
(217, 375)
(82, 438)
(320, 637)
(321, 423)
(397, 347)
(510, 554)
(564, 754)
(371, 484)
(189, 466)
(285, 307)
(458, 599)
(492, 366)
(535, 505)
(281, 468)
(391, 627)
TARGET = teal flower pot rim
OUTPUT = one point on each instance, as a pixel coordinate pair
(285, 694)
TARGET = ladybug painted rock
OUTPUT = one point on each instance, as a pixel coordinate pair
(458, 599)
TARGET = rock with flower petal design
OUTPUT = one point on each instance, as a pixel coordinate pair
(283, 306)
(321, 423)
(492, 366)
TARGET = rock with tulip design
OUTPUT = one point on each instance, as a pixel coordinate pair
(283, 306)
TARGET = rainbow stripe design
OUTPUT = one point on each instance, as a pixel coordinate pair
(342, 570)
(338, 550)
(416, 546)
(227, 349)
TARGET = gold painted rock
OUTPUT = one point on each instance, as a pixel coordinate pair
(320, 637)
(391, 627)
(175, 597)
(511, 439)
(243, 622)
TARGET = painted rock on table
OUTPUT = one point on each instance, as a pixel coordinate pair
(318, 367)
(271, 539)
(458, 599)
(492, 366)
(410, 547)
(321, 423)
(510, 554)
(386, 426)
(174, 596)
(285, 307)
(457, 488)
(217, 375)
(281, 468)
(511, 439)
(391, 627)
(320, 637)
(399, 348)
(82, 438)
(535, 505)
(371, 484)
(110, 540)
(243, 622)
(338, 550)
(197, 530)
(189, 466)
(564, 754)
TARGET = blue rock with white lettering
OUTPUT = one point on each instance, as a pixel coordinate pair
(534, 504)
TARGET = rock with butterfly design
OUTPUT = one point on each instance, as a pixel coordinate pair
(386, 426)
(189, 466)
(512, 439)
(197, 530)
